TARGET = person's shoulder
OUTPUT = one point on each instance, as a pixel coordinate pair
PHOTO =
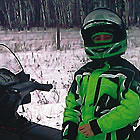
(124, 63)
(127, 67)
(127, 64)
(87, 68)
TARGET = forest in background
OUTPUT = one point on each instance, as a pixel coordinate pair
(25, 14)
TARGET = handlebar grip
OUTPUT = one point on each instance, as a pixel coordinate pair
(44, 87)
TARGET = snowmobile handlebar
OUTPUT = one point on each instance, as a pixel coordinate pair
(13, 93)
(22, 89)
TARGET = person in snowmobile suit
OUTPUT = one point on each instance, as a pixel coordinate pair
(103, 102)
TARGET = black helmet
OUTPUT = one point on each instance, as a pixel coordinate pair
(103, 21)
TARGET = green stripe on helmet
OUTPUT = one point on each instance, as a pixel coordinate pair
(106, 50)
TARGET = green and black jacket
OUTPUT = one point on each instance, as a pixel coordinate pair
(107, 96)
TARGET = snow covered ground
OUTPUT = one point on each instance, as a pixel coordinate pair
(56, 67)
(38, 54)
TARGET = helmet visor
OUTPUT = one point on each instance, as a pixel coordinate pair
(103, 15)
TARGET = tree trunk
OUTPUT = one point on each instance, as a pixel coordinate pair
(43, 14)
(127, 13)
(82, 14)
(8, 14)
(21, 16)
(27, 16)
(32, 12)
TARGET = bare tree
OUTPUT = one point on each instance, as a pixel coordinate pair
(65, 13)
(7, 6)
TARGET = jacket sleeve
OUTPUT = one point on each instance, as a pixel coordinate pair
(71, 113)
(119, 117)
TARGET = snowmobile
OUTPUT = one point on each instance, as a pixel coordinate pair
(15, 90)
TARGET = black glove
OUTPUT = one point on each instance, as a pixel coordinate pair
(72, 130)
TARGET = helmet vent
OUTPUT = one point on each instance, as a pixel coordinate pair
(115, 50)
(100, 50)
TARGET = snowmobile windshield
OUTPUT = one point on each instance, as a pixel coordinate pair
(8, 60)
